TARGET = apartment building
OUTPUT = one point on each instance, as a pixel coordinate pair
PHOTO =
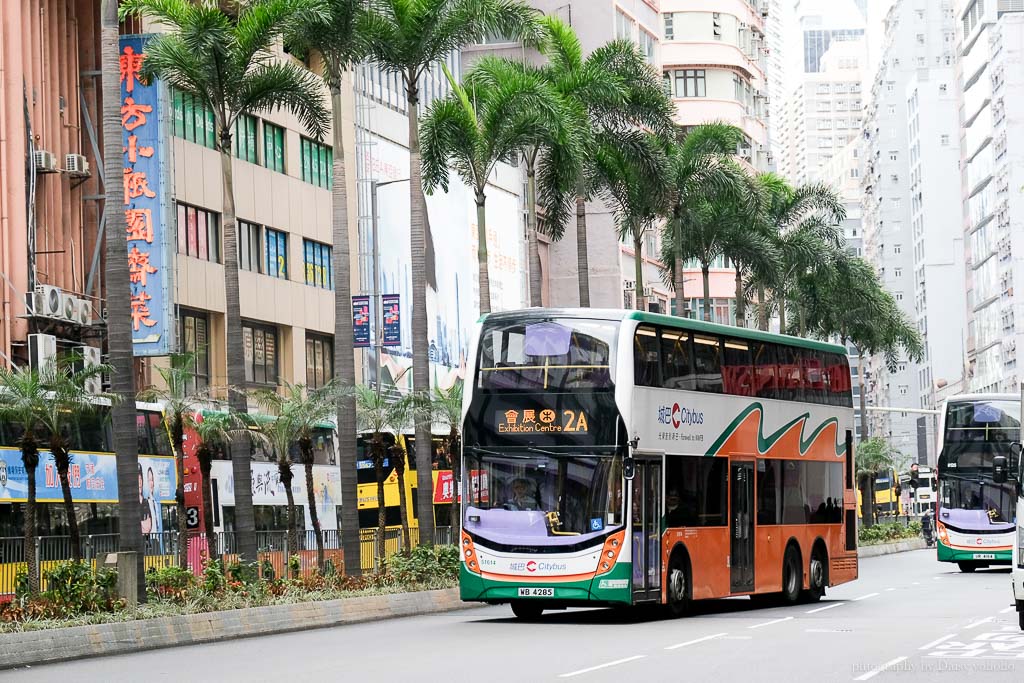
(917, 48)
(990, 43)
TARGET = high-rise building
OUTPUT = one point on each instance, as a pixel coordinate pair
(917, 54)
(821, 24)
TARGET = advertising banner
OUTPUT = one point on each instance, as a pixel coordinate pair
(147, 204)
(360, 321)
(392, 320)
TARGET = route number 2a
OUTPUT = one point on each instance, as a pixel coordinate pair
(575, 422)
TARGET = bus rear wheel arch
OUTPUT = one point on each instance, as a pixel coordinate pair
(679, 582)
(792, 574)
(817, 572)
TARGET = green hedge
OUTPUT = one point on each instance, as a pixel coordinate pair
(887, 533)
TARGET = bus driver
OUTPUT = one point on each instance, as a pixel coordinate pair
(523, 495)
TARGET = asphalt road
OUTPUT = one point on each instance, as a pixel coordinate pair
(908, 618)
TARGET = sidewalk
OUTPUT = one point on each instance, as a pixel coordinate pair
(55, 645)
(889, 548)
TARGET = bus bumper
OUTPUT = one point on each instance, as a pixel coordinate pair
(990, 556)
(611, 588)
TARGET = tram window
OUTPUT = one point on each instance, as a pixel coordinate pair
(707, 357)
(645, 358)
(737, 373)
(676, 360)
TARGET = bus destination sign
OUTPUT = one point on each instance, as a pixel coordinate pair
(541, 421)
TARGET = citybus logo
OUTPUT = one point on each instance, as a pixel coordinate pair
(676, 415)
(531, 566)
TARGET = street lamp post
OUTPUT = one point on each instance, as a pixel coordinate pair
(378, 309)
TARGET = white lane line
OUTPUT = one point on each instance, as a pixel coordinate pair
(1007, 610)
(917, 583)
(865, 597)
(694, 642)
(889, 589)
(980, 622)
(601, 666)
(829, 606)
(875, 672)
(936, 642)
(769, 623)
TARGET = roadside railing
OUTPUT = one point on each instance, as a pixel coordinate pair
(161, 550)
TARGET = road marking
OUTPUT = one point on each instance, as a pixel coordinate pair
(822, 609)
(601, 666)
(980, 622)
(875, 672)
(769, 623)
(694, 642)
(889, 589)
(865, 597)
(936, 642)
(1007, 610)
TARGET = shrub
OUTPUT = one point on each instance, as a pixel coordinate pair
(888, 532)
(169, 582)
(425, 563)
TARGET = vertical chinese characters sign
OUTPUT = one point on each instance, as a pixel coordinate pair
(146, 182)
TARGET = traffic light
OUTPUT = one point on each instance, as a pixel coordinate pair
(914, 483)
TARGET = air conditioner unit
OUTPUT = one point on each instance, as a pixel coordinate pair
(76, 165)
(46, 162)
(68, 307)
(84, 312)
(91, 357)
(42, 349)
(48, 301)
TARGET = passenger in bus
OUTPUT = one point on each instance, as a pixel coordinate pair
(674, 514)
(524, 495)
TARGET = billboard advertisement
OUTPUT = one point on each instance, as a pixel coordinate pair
(267, 488)
(361, 321)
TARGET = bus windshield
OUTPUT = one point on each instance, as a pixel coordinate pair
(550, 355)
(966, 492)
(977, 431)
(539, 498)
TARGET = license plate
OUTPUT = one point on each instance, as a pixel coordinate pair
(536, 592)
(984, 556)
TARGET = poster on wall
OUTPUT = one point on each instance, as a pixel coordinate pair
(392, 320)
(92, 476)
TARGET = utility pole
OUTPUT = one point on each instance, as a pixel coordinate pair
(378, 307)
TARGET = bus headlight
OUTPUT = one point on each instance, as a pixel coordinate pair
(1020, 547)
(940, 531)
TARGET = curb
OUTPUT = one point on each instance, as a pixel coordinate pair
(890, 548)
(99, 640)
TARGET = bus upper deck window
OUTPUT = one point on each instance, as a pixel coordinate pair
(547, 339)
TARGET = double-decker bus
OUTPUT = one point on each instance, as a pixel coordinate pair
(975, 520)
(620, 458)
(887, 494)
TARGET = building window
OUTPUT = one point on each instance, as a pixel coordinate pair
(319, 361)
(898, 272)
(716, 25)
(277, 253)
(670, 33)
(249, 247)
(690, 83)
(317, 161)
(623, 26)
(259, 345)
(198, 233)
(317, 259)
(193, 120)
(244, 142)
(647, 46)
(944, 140)
(194, 338)
(273, 147)
(897, 249)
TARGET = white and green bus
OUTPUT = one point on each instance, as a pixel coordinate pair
(620, 458)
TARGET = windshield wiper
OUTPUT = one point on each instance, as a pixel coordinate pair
(532, 449)
(483, 451)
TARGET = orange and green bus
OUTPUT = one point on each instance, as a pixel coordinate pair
(624, 458)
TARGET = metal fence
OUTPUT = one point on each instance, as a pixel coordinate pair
(161, 550)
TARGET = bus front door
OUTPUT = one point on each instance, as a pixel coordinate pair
(741, 560)
(646, 530)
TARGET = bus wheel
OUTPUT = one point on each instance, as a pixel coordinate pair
(527, 611)
(1020, 618)
(678, 600)
(816, 577)
(791, 575)
(967, 567)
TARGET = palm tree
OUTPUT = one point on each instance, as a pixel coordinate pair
(503, 109)
(873, 456)
(181, 405)
(225, 60)
(699, 166)
(612, 91)
(381, 416)
(445, 408)
(119, 332)
(335, 37)
(214, 432)
(300, 412)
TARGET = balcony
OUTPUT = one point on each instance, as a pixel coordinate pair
(680, 54)
(691, 111)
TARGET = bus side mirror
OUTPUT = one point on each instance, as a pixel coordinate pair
(999, 469)
(629, 467)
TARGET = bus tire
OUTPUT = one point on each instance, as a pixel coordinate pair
(1020, 616)
(526, 611)
(967, 567)
(816, 575)
(678, 588)
(792, 576)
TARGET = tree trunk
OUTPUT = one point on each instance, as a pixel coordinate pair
(865, 502)
(762, 310)
(378, 471)
(640, 301)
(863, 404)
(62, 459)
(179, 493)
(680, 288)
(30, 459)
(871, 495)
(536, 279)
(119, 332)
(306, 446)
(481, 251)
(582, 256)
(206, 469)
(284, 470)
(403, 504)
(344, 353)
(782, 311)
(741, 303)
(705, 274)
(420, 337)
(241, 461)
